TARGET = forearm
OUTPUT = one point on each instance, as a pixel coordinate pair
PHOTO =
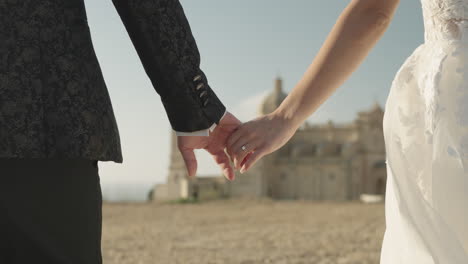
(355, 33)
(169, 54)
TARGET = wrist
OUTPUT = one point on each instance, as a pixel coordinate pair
(223, 116)
(287, 117)
(228, 121)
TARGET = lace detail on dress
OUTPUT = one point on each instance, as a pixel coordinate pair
(426, 139)
(445, 19)
(446, 9)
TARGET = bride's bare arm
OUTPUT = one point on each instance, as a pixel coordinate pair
(355, 33)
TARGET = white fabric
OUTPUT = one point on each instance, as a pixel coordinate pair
(203, 132)
(426, 139)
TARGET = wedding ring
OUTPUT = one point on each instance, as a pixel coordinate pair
(243, 148)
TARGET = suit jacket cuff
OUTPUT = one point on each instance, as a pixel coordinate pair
(194, 108)
(203, 132)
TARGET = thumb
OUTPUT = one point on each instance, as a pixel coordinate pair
(190, 161)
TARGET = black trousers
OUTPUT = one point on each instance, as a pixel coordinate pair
(50, 211)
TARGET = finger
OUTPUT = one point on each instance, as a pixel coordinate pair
(237, 154)
(222, 159)
(241, 136)
(230, 149)
(234, 137)
(247, 157)
(240, 155)
(190, 161)
(256, 156)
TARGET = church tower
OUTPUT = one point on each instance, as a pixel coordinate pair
(274, 99)
(177, 179)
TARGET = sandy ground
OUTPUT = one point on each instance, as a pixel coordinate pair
(242, 232)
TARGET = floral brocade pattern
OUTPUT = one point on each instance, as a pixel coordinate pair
(53, 98)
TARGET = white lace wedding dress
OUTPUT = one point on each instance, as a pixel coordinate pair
(426, 139)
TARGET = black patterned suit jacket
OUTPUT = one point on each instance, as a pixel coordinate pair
(53, 98)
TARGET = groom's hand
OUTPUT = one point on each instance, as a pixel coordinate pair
(215, 144)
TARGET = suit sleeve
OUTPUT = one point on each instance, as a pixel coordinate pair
(163, 40)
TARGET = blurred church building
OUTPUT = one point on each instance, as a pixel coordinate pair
(321, 162)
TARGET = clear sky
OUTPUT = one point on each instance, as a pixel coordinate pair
(244, 45)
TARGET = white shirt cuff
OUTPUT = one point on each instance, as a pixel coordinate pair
(203, 132)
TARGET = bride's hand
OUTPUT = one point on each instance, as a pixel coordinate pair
(260, 137)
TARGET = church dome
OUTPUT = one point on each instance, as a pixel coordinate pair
(274, 99)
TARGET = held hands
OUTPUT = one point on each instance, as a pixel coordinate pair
(257, 138)
(215, 144)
